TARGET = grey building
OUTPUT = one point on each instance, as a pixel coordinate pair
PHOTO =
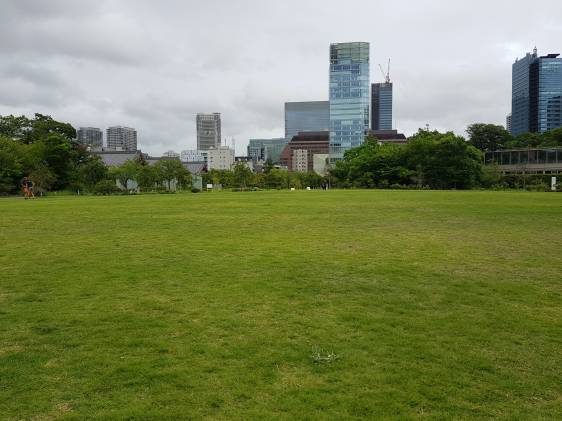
(349, 96)
(264, 149)
(508, 122)
(381, 106)
(309, 116)
(536, 102)
(90, 136)
(117, 158)
(121, 138)
(208, 131)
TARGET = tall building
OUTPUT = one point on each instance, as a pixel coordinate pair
(121, 138)
(381, 106)
(349, 96)
(90, 136)
(310, 116)
(508, 122)
(220, 158)
(266, 149)
(536, 101)
(208, 131)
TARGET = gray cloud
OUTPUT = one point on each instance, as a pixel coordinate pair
(154, 65)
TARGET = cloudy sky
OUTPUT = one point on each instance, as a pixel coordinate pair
(154, 64)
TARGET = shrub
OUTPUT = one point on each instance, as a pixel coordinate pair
(195, 190)
(106, 187)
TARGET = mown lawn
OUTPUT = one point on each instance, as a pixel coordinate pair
(437, 305)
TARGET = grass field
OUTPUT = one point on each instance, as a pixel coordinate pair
(289, 305)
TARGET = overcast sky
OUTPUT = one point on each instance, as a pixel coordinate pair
(154, 64)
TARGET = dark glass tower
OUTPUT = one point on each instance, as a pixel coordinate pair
(536, 94)
(381, 106)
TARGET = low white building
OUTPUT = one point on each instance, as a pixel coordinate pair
(221, 158)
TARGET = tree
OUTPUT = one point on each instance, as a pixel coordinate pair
(242, 174)
(488, 137)
(124, 173)
(11, 166)
(371, 165)
(146, 177)
(275, 179)
(268, 165)
(444, 159)
(92, 172)
(56, 152)
(169, 170)
(43, 179)
(32, 130)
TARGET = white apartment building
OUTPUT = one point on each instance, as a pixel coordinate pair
(121, 138)
(221, 158)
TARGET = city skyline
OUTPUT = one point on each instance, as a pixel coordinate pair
(57, 60)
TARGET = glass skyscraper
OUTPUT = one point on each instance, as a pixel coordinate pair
(381, 106)
(548, 92)
(264, 149)
(349, 96)
(311, 116)
(536, 104)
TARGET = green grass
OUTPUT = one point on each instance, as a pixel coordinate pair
(437, 305)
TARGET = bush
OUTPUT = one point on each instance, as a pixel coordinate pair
(195, 190)
(106, 187)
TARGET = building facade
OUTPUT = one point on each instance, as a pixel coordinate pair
(527, 160)
(508, 122)
(221, 158)
(208, 131)
(349, 96)
(389, 136)
(302, 148)
(381, 106)
(310, 116)
(90, 136)
(120, 138)
(264, 149)
(192, 155)
(170, 154)
(536, 102)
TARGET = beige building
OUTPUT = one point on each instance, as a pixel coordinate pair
(320, 163)
(300, 160)
(221, 158)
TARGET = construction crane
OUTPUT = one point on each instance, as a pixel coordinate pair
(386, 75)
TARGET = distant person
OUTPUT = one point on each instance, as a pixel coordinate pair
(27, 188)
(24, 188)
(30, 194)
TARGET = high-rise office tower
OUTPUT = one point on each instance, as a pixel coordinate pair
(536, 101)
(310, 116)
(90, 136)
(381, 106)
(349, 96)
(121, 138)
(208, 131)
(508, 122)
